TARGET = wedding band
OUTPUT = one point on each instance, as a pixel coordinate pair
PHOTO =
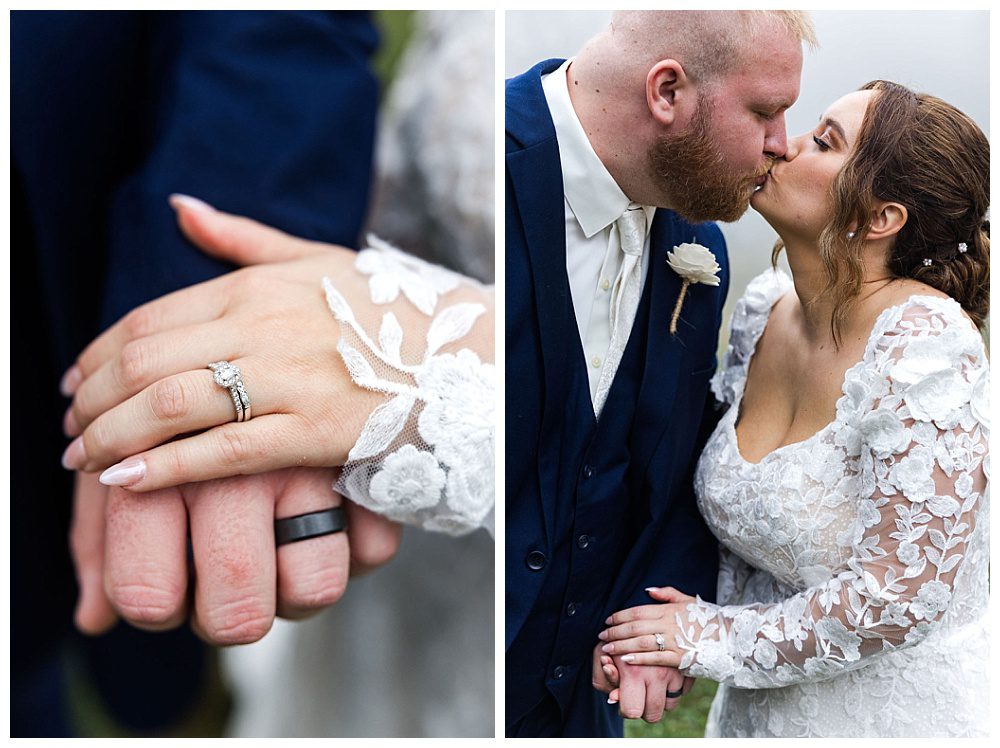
(228, 375)
(675, 694)
(660, 643)
(311, 525)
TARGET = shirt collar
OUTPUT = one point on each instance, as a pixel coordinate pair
(592, 193)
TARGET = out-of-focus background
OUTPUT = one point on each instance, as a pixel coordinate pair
(408, 651)
(945, 53)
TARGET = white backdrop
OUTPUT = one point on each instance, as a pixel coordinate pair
(945, 53)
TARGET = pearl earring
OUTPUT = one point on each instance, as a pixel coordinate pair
(850, 234)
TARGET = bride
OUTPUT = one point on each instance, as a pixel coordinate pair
(848, 482)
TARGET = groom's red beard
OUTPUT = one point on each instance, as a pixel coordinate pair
(701, 186)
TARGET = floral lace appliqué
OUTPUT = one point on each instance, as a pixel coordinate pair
(425, 456)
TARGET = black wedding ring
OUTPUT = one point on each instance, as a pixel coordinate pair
(311, 525)
(675, 694)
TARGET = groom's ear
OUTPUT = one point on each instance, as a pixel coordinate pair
(666, 86)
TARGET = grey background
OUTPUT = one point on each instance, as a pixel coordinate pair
(945, 53)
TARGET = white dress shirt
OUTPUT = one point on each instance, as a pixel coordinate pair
(593, 202)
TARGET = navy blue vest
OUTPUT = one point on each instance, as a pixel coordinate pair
(596, 510)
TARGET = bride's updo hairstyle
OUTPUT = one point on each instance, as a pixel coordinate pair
(923, 153)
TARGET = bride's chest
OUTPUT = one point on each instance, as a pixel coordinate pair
(792, 513)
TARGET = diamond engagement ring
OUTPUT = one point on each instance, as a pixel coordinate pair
(660, 643)
(227, 375)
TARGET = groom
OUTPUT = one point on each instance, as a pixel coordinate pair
(662, 122)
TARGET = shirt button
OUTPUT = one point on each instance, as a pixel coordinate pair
(596, 362)
(587, 471)
(583, 541)
(605, 284)
(571, 609)
(536, 560)
(559, 672)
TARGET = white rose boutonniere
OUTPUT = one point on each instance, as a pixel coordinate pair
(694, 263)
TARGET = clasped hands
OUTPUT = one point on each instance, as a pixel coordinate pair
(146, 411)
(629, 665)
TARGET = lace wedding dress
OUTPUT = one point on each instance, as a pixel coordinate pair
(854, 575)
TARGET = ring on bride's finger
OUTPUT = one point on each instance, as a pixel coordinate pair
(227, 375)
(311, 525)
(660, 643)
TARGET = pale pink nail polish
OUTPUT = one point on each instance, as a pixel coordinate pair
(70, 426)
(628, 658)
(125, 473)
(75, 456)
(70, 381)
(192, 203)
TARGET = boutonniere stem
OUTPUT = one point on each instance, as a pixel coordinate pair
(694, 263)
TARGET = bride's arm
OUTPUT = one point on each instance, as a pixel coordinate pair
(918, 446)
(375, 361)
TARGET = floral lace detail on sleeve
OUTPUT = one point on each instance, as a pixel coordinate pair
(748, 321)
(914, 424)
(423, 338)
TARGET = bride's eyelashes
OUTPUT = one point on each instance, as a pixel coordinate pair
(823, 145)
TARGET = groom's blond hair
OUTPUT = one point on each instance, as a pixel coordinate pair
(708, 44)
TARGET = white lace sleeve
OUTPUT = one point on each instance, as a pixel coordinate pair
(916, 429)
(423, 338)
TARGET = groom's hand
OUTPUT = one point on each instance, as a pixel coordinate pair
(130, 553)
(638, 689)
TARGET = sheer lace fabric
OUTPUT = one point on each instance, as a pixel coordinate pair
(423, 339)
(854, 576)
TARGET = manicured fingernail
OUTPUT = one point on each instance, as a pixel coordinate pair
(608, 620)
(125, 473)
(70, 381)
(70, 427)
(608, 648)
(603, 635)
(612, 701)
(652, 589)
(192, 203)
(75, 456)
(628, 658)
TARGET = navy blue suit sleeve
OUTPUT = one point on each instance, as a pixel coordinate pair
(264, 114)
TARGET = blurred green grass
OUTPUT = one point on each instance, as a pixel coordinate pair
(686, 721)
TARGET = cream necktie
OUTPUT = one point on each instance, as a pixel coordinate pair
(630, 233)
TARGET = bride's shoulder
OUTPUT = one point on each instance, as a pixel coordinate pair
(909, 306)
(919, 321)
(758, 300)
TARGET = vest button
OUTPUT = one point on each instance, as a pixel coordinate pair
(536, 560)
(559, 672)
(583, 541)
(587, 471)
(571, 609)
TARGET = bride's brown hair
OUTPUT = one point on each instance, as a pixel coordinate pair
(921, 152)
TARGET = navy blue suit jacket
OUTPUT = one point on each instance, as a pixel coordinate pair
(265, 114)
(662, 540)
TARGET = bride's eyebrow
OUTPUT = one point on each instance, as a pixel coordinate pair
(836, 127)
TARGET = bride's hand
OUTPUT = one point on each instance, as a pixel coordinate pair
(144, 381)
(632, 633)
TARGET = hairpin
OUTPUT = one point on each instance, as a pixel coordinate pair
(928, 262)
(963, 247)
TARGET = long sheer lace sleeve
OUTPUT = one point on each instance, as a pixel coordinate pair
(423, 339)
(914, 425)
